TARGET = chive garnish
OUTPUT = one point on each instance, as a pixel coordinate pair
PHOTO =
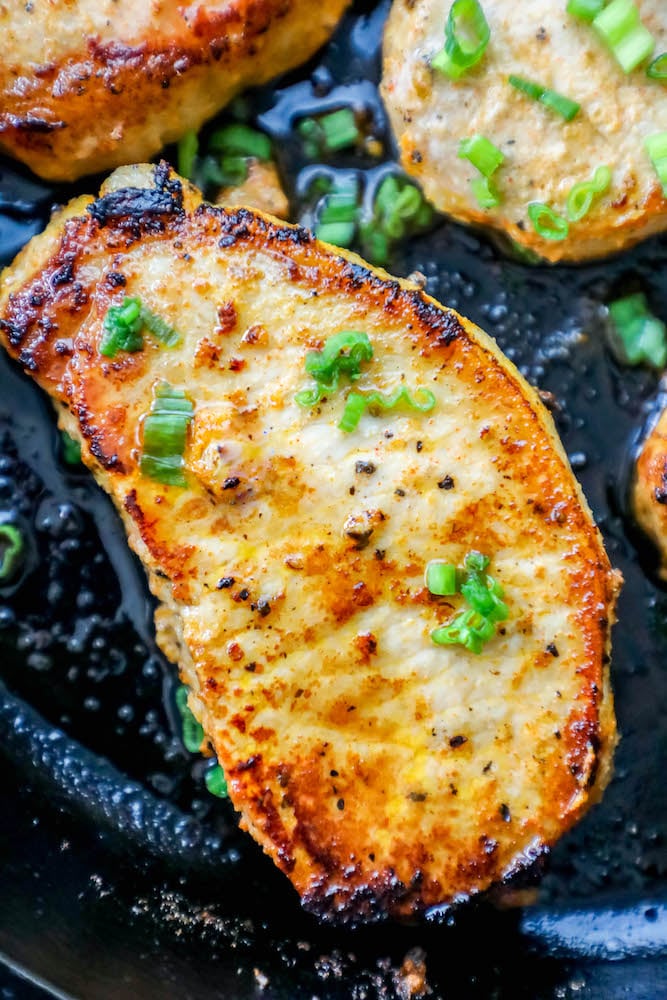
(12, 547)
(467, 35)
(238, 140)
(71, 449)
(656, 147)
(358, 402)
(474, 627)
(123, 327)
(330, 132)
(186, 154)
(192, 732)
(343, 353)
(658, 68)
(563, 106)
(165, 431)
(641, 336)
(619, 26)
(337, 217)
(585, 10)
(486, 158)
(581, 197)
(546, 222)
(216, 782)
(399, 209)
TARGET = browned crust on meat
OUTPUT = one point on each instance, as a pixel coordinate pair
(281, 800)
(132, 99)
(649, 490)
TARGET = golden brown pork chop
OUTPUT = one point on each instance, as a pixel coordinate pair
(383, 773)
(649, 489)
(86, 85)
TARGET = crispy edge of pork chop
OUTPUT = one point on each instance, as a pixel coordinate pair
(117, 101)
(145, 203)
(648, 491)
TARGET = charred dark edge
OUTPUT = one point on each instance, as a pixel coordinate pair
(166, 198)
(30, 123)
(241, 225)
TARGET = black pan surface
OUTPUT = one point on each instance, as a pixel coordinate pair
(120, 876)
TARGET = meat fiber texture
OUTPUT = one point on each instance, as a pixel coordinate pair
(86, 85)
(545, 156)
(384, 774)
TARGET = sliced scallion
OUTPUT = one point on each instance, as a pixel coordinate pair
(658, 68)
(563, 106)
(486, 158)
(342, 354)
(642, 337)
(186, 153)
(581, 196)
(122, 328)
(471, 628)
(71, 449)
(481, 152)
(330, 132)
(441, 578)
(12, 547)
(585, 10)
(467, 35)
(398, 209)
(619, 26)
(216, 782)
(165, 431)
(656, 147)
(339, 234)
(193, 734)
(357, 403)
(546, 222)
(241, 140)
(160, 329)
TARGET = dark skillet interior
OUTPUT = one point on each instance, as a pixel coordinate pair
(121, 876)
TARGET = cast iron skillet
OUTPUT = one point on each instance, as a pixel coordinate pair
(121, 877)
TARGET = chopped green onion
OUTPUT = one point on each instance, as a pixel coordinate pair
(485, 192)
(441, 578)
(481, 152)
(467, 35)
(122, 328)
(242, 141)
(339, 129)
(656, 146)
(399, 208)
(469, 629)
(193, 734)
(550, 98)
(474, 627)
(658, 68)
(339, 206)
(71, 449)
(160, 328)
(343, 353)
(547, 223)
(620, 27)
(581, 197)
(11, 551)
(585, 10)
(486, 158)
(357, 403)
(641, 335)
(331, 132)
(186, 153)
(165, 430)
(216, 782)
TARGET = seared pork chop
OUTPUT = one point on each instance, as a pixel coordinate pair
(383, 772)
(86, 85)
(544, 155)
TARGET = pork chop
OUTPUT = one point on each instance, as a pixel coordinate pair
(384, 772)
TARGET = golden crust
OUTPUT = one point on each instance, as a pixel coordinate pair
(117, 89)
(649, 490)
(382, 774)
